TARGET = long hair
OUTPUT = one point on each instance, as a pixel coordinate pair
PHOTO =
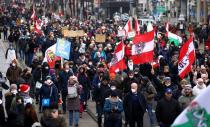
(30, 113)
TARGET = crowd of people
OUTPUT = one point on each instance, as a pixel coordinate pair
(85, 76)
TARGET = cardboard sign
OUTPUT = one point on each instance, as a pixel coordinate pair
(80, 33)
(65, 28)
(65, 33)
(100, 38)
(71, 33)
(121, 33)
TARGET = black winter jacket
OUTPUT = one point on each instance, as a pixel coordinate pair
(167, 111)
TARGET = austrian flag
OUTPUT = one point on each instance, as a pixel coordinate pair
(117, 63)
(143, 48)
(186, 58)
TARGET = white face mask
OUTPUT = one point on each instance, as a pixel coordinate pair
(131, 76)
(48, 81)
(90, 64)
(14, 91)
(113, 88)
(133, 90)
(46, 67)
(67, 70)
(13, 64)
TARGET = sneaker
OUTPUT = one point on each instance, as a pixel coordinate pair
(76, 125)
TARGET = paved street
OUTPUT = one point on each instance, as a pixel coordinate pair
(85, 121)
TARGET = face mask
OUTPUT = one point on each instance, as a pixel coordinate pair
(46, 67)
(83, 58)
(67, 70)
(14, 91)
(48, 81)
(168, 84)
(131, 76)
(90, 64)
(133, 90)
(113, 88)
(13, 64)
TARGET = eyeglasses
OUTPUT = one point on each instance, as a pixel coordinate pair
(169, 92)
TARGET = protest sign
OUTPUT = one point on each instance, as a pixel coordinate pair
(63, 48)
(100, 38)
(80, 33)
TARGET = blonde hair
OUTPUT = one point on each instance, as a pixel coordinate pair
(183, 81)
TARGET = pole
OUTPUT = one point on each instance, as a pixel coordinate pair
(198, 11)
(131, 7)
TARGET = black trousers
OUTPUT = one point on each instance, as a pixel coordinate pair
(64, 102)
(138, 120)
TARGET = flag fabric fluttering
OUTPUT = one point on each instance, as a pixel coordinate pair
(167, 27)
(186, 58)
(137, 27)
(174, 38)
(156, 63)
(197, 114)
(143, 48)
(128, 26)
(50, 56)
(37, 27)
(117, 63)
(33, 16)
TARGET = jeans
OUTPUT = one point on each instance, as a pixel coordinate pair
(30, 58)
(5, 36)
(151, 114)
(22, 54)
(73, 115)
(99, 109)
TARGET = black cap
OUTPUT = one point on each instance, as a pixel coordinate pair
(113, 94)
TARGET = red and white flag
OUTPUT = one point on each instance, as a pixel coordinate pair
(37, 27)
(128, 26)
(117, 63)
(156, 63)
(186, 58)
(137, 27)
(50, 56)
(143, 48)
(167, 27)
(33, 16)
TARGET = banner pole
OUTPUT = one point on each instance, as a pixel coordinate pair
(61, 62)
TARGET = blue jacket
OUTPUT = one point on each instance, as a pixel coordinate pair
(112, 106)
(49, 91)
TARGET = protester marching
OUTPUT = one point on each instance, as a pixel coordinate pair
(125, 69)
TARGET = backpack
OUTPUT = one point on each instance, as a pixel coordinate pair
(72, 91)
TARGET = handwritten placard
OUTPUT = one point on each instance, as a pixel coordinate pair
(100, 38)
